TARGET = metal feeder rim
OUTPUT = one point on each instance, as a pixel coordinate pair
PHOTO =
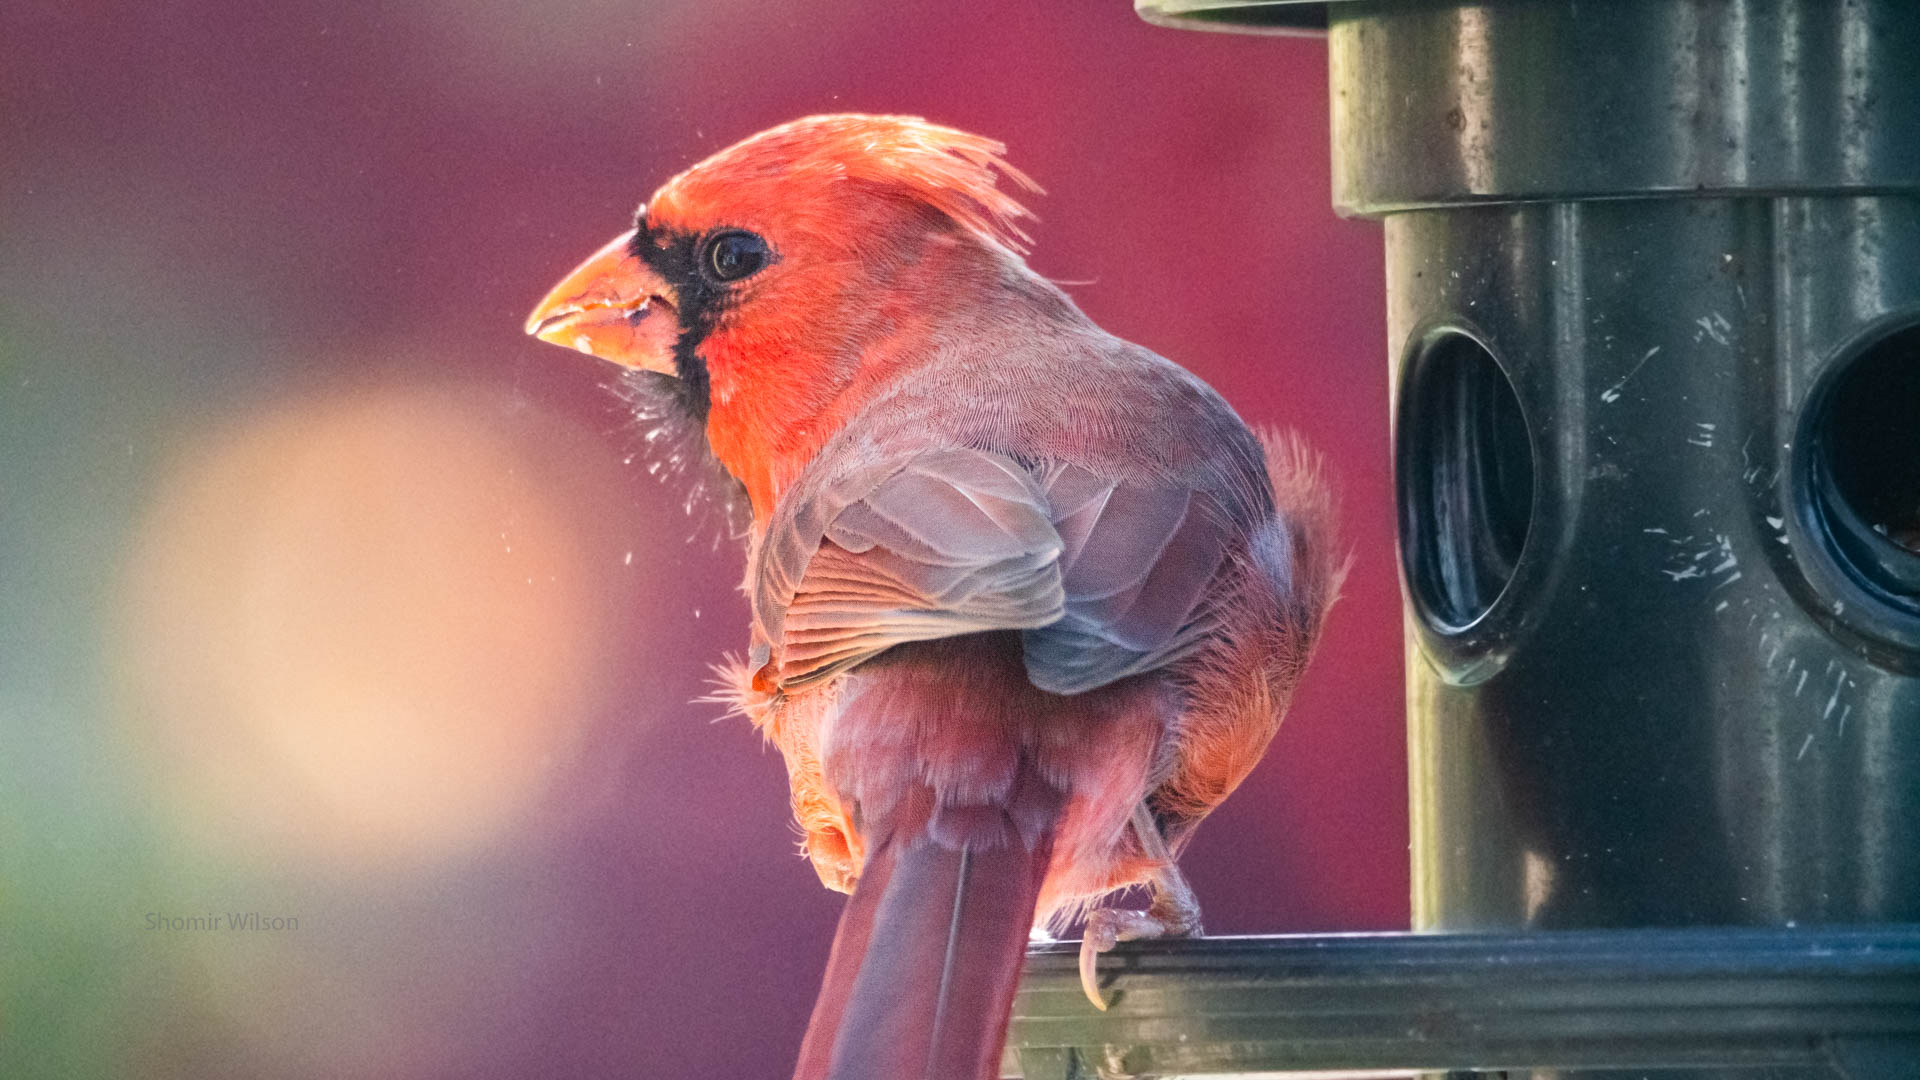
(1631, 998)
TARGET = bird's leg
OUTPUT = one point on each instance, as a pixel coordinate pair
(1173, 912)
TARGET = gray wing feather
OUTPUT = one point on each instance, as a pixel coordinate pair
(1135, 569)
(953, 542)
(1104, 579)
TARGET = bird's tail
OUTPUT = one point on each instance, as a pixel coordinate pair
(929, 950)
(1305, 499)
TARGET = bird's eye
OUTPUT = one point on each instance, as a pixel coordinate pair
(733, 255)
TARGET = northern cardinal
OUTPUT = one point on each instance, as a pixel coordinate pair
(1028, 600)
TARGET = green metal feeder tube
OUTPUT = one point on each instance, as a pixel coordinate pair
(1653, 278)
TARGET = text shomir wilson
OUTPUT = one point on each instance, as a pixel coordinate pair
(228, 921)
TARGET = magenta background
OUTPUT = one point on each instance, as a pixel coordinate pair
(190, 188)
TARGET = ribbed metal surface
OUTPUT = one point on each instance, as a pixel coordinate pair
(1808, 1000)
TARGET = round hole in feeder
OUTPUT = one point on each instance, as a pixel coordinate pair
(1862, 434)
(1464, 469)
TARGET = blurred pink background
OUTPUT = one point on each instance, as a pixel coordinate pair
(329, 598)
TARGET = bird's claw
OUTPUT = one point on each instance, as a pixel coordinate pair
(1107, 927)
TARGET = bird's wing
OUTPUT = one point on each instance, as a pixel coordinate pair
(1106, 579)
(1135, 563)
(952, 542)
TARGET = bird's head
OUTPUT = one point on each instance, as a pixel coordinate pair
(785, 270)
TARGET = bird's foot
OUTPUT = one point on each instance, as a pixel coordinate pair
(1174, 912)
(1107, 927)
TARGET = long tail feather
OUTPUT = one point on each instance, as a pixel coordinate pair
(926, 961)
(843, 966)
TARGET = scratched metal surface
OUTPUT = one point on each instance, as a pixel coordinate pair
(1664, 719)
(1674, 230)
(1653, 269)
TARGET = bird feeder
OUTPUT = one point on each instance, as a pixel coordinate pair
(1653, 304)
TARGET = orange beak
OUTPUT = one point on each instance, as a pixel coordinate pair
(615, 307)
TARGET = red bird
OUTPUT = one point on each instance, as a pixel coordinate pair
(1028, 600)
